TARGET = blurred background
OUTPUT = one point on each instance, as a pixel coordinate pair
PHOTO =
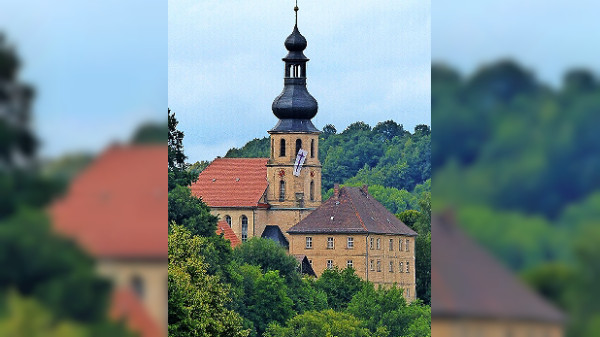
(82, 98)
(516, 168)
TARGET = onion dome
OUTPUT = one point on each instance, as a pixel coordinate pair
(295, 102)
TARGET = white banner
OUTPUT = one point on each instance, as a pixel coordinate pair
(299, 162)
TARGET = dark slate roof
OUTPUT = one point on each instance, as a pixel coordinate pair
(467, 282)
(354, 211)
(304, 265)
(274, 233)
(294, 125)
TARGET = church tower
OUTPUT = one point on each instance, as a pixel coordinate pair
(294, 139)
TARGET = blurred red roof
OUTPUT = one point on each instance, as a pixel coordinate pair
(126, 306)
(223, 227)
(117, 207)
(232, 182)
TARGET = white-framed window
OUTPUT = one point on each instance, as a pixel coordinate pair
(330, 243)
(401, 267)
(407, 243)
(378, 265)
(308, 242)
(372, 265)
(407, 267)
(349, 264)
(228, 220)
(371, 243)
(244, 228)
(391, 266)
(350, 243)
(329, 264)
(391, 245)
(400, 244)
(378, 243)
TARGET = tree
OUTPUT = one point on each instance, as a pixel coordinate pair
(197, 301)
(339, 286)
(269, 256)
(178, 174)
(189, 211)
(329, 130)
(387, 308)
(388, 130)
(150, 133)
(322, 323)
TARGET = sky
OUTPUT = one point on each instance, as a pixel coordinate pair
(547, 37)
(99, 68)
(369, 61)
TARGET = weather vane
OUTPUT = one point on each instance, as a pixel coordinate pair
(296, 10)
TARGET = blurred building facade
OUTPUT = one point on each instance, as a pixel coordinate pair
(474, 295)
(115, 210)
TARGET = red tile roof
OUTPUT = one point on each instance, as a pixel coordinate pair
(117, 207)
(125, 305)
(223, 227)
(467, 282)
(232, 182)
(354, 211)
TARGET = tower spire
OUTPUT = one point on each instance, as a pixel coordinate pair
(296, 11)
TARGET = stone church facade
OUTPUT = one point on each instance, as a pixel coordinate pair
(269, 197)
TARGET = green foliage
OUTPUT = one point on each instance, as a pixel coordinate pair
(387, 308)
(552, 280)
(150, 133)
(268, 255)
(339, 285)
(197, 301)
(190, 212)
(50, 268)
(326, 323)
(178, 173)
(197, 167)
(256, 148)
(27, 317)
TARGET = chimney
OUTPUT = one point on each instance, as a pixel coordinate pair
(336, 190)
(365, 189)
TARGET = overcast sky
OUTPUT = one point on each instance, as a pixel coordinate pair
(99, 68)
(370, 61)
(547, 37)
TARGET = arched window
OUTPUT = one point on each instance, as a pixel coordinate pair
(312, 190)
(281, 190)
(137, 284)
(298, 145)
(228, 220)
(312, 148)
(282, 148)
(244, 228)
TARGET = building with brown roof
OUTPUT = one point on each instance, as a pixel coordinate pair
(474, 295)
(115, 210)
(352, 229)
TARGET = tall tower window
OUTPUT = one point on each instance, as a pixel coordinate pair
(282, 148)
(312, 191)
(228, 220)
(312, 148)
(244, 228)
(281, 190)
(298, 145)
